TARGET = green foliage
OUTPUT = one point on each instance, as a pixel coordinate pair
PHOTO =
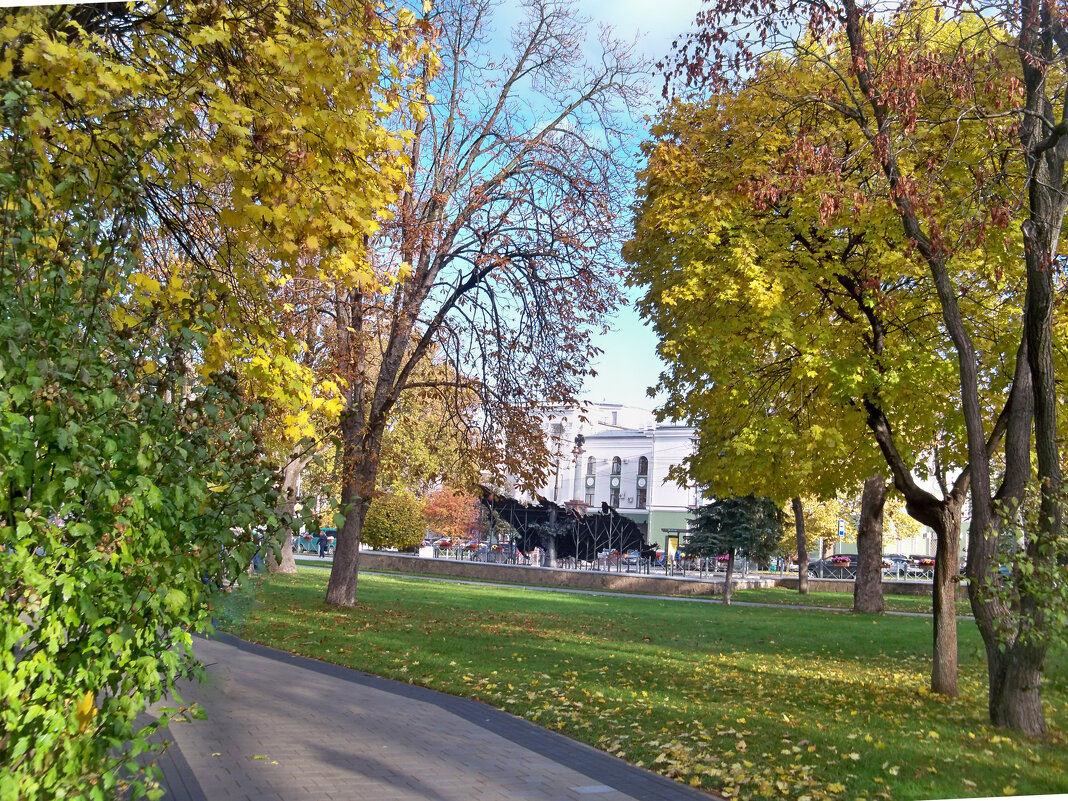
(785, 293)
(394, 520)
(131, 485)
(749, 526)
(1036, 584)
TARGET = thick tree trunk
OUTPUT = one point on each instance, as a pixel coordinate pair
(1015, 697)
(344, 573)
(802, 546)
(1014, 667)
(728, 583)
(868, 587)
(359, 473)
(548, 550)
(944, 597)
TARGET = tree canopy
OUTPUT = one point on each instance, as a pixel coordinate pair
(500, 251)
(749, 526)
(819, 317)
(784, 297)
(952, 117)
(165, 168)
(395, 520)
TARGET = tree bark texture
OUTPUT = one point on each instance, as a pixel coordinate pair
(359, 474)
(1014, 656)
(1015, 697)
(868, 587)
(729, 581)
(290, 479)
(944, 597)
(943, 516)
(802, 546)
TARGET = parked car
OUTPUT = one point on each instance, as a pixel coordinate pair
(895, 562)
(838, 566)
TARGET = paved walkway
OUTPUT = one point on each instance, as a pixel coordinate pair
(287, 728)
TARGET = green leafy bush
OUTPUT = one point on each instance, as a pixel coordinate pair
(396, 521)
(132, 486)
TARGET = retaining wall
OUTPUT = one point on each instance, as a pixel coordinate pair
(608, 580)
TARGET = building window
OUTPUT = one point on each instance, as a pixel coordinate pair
(589, 499)
(617, 466)
(641, 498)
(591, 466)
(557, 428)
(643, 466)
(615, 418)
(613, 497)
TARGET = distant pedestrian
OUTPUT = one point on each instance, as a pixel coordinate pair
(322, 544)
(257, 558)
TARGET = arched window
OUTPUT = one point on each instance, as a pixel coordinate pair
(643, 466)
(591, 466)
(617, 466)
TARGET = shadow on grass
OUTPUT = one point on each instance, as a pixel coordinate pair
(230, 610)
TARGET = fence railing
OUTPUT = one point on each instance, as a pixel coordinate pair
(682, 568)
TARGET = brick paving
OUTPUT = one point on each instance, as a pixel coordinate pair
(286, 728)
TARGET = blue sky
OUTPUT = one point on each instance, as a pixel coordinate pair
(629, 363)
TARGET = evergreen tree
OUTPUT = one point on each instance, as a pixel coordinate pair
(750, 526)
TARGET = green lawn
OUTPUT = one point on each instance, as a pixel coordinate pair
(748, 701)
(839, 600)
(771, 595)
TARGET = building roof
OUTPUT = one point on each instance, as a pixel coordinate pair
(639, 432)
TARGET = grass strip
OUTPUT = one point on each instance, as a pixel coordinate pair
(750, 702)
(839, 600)
(766, 595)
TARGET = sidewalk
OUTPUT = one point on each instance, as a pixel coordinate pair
(286, 728)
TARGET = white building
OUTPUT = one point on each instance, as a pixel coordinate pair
(620, 455)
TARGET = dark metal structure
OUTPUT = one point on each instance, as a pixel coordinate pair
(567, 531)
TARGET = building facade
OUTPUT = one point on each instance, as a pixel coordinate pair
(620, 455)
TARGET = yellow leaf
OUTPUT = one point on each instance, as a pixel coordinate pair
(85, 711)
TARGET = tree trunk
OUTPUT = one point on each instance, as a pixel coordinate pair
(944, 592)
(1015, 697)
(344, 573)
(548, 550)
(548, 541)
(729, 581)
(359, 472)
(290, 479)
(868, 586)
(802, 546)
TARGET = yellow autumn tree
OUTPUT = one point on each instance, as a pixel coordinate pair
(167, 169)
